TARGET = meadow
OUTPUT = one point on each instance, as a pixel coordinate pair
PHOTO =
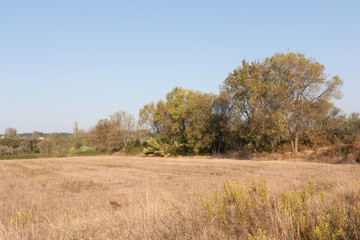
(122, 197)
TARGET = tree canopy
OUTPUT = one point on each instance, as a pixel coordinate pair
(282, 95)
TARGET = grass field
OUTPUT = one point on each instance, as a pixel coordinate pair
(116, 197)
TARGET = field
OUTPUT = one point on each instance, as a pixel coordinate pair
(118, 197)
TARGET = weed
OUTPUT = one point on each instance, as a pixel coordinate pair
(238, 207)
(309, 214)
(260, 235)
(73, 186)
(23, 217)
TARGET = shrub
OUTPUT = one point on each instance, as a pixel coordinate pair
(156, 147)
(239, 208)
(83, 151)
(5, 150)
(311, 212)
(134, 148)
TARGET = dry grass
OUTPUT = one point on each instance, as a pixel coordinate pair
(106, 197)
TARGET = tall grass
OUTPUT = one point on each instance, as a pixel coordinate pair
(313, 211)
(122, 197)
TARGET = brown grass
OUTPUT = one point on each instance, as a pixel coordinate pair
(107, 197)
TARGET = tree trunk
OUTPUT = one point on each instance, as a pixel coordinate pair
(254, 149)
(295, 143)
(219, 148)
(213, 147)
(274, 146)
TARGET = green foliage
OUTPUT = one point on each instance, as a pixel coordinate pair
(282, 96)
(19, 156)
(55, 145)
(134, 148)
(11, 142)
(276, 104)
(157, 147)
(82, 151)
(5, 150)
(17, 146)
(339, 128)
(186, 118)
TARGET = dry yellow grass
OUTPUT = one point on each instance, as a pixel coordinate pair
(107, 197)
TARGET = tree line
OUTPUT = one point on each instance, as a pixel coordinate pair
(282, 103)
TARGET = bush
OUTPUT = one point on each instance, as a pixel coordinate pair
(5, 150)
(354, 147)
(157, 147)
(83, 151)
(55, 146)
(312, 212)
(134, 148)
(11, 142)
(238, 208)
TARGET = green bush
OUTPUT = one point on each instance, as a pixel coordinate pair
(157, 147)
(82, 151)
(85, 149)
(134, 148)
(5, 150)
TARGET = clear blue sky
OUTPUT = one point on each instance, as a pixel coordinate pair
(66, 61)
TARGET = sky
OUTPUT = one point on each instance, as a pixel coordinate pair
(66, 61)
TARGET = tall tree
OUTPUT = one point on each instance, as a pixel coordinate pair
(152, 117)
(10, 132)
(198, 122)
(252, 95)
(113, 134)
(123, 128)
(99, 135)
(76, 140)
(185, 118)
(285, 92)
(306, 90)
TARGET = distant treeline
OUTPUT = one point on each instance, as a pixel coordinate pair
(280, 104)
(37, 134)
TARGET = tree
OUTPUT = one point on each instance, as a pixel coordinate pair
(152, 117)
(198, 122)
(76, 140)
(99, 135)
(55, 145)
(306, 91)
(338, 128)
(254, 101)
(113, 134)
(185, 119)
(286, 93)
(10, 132)
(123, 128)
(222, 124)
(35, 135)
(166, 118)
(175, 107)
